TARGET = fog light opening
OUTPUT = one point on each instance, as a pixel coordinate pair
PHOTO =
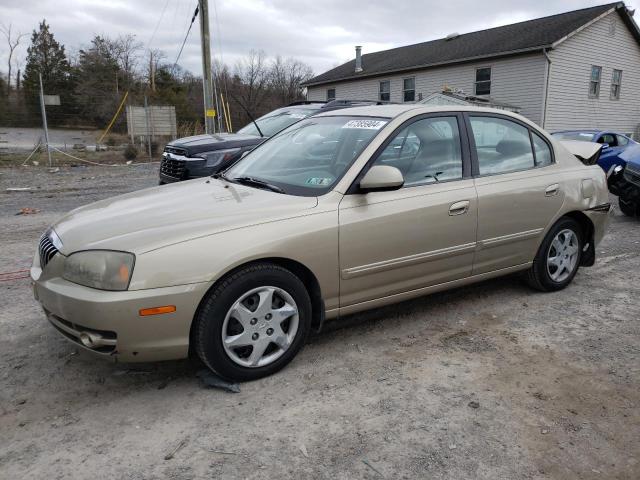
(87, 340)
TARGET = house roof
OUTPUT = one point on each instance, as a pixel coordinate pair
(522, 37)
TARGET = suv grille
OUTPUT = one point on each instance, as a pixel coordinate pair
(632, 173)
(46, 250)
(172, 167)
(175, 150)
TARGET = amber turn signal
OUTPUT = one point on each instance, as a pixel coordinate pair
(157, 310)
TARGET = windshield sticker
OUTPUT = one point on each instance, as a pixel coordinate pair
(365, 124)
(318, 181)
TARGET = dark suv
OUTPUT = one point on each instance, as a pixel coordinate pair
(624, 181)
(205, 155)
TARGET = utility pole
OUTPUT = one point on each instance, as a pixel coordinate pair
(44, 119)
(148, 125)
(207, 84)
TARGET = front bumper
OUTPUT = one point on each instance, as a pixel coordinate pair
(112, 319)
(624, 184)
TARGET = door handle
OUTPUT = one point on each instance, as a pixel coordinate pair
(459, 208)
(552, 190)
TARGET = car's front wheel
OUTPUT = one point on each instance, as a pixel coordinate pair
(629, 208)
(558, 258)
(253, 322)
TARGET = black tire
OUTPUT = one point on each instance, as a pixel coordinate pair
(208, 335)
(630, 209)
(538, 275)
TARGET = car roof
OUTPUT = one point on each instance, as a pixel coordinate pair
(584, 130)
(394, 110)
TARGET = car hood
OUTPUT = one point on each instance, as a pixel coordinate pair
(148, 219)
(211, 142)
(631, 154)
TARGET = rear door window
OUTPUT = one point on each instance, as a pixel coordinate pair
(542, 150)
(502, 146)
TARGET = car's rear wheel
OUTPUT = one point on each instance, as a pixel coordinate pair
(253, 322)
(558, 258)
(630, 209)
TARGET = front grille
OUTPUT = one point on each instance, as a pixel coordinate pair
(46, 250)
(632, 173)
(173, 168)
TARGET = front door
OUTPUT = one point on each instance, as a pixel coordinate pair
(420, 235)
(519, 190)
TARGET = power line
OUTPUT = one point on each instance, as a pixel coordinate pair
(155, 30)
(193, 19)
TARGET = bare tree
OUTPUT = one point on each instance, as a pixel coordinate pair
(286, 77)
(13, 41)
(127, 49)
(155, 58)
(254, 77)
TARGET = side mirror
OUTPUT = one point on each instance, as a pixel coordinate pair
(605, 146)
(381, 178)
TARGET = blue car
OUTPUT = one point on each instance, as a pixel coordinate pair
(620, 159)
(617, 149)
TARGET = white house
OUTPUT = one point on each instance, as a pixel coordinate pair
(579, 69)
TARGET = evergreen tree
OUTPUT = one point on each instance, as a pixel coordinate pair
(97, 73)
(47, 57)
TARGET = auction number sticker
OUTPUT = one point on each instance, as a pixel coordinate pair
(365, 124)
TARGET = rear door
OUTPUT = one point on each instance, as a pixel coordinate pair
(422, 234)
(518, 190)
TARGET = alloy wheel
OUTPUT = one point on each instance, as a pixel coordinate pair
(562, 257)
(260, 326)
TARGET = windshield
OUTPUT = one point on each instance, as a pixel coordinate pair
(273, 122)
(580, 136)
(310, 156)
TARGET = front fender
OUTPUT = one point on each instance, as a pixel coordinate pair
(311, 240)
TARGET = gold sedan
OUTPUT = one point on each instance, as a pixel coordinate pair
(341, 212)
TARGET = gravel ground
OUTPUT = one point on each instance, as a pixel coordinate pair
(492, 381)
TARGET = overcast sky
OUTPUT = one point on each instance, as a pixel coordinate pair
(321, 33)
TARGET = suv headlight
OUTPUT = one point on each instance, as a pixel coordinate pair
(101, 269)
(216, 157)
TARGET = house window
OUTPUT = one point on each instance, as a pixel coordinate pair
(385, 91)
(483, 81)
(409, 89)
(594, 82)
(616, 81)
(331, 94)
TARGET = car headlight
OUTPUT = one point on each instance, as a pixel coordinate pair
(216, 157)
(101, 269)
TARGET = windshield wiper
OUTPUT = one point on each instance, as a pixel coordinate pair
(258, 183)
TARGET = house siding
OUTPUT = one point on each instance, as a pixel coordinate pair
(515, 80)
(568, 102)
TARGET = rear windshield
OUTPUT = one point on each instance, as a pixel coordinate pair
(580, 136)
(273, 122)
